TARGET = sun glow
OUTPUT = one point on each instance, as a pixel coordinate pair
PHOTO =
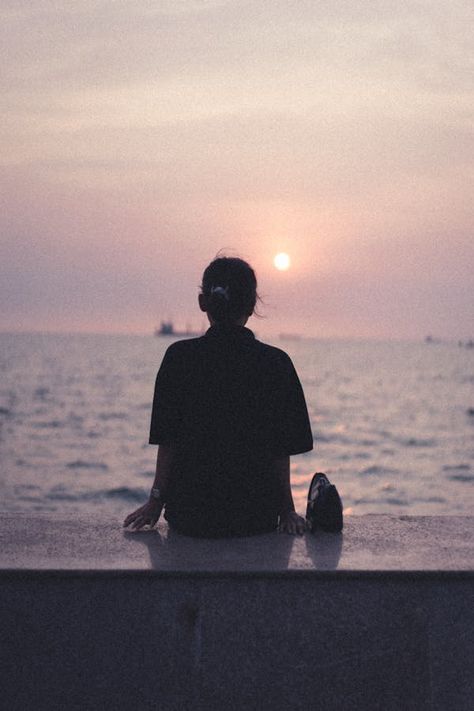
(282, 261)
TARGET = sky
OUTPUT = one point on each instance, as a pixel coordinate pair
(139, 139)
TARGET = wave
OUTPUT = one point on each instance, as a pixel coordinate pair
(417, 442)
(81, 464)
(378, 470)
(122, 492)
(52, 424)
(106, 416)
(457, 468)
(75, 420)
(41, 394)
(332, 438)
(61, 493)
(461, 477)
(431, 500)
(374, 441)
(125, 492)
(377, 501)
(348, 456)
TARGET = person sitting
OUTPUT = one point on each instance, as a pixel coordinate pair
(228, 412)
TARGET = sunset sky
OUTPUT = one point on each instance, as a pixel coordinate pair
(140, 138)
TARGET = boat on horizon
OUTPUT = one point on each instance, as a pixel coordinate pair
(167, 329)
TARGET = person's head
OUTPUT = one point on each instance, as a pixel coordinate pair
(228, 291)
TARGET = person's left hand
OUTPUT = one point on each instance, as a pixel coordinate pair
(292, 523)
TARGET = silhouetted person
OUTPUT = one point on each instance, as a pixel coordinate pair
(228, 411)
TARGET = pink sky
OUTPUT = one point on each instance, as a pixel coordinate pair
(139, 139)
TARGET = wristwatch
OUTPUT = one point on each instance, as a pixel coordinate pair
(155, 493)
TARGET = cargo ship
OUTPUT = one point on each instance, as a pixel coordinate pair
(167, 329)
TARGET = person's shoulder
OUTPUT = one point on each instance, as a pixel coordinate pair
(184, 348)
(273, 353)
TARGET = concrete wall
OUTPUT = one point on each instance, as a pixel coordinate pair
(294, 640)
(95, 617)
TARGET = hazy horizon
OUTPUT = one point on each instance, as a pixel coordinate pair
(140, 140)
(253, 325)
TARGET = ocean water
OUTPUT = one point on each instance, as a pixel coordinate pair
(393, 423)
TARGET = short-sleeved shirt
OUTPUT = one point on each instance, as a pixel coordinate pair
(229, 405)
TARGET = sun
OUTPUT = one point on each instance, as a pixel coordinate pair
(282, 261)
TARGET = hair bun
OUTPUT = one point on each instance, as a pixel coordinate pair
(221, 291)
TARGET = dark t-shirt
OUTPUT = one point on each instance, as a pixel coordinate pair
(229, 405)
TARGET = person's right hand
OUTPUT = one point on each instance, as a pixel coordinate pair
(146, 515)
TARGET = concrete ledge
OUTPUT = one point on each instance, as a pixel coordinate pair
(379, 617)
(377, 543)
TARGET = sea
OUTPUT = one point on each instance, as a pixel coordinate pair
(393, 423)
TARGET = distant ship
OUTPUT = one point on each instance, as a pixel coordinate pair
(431, 339)
(167, 329)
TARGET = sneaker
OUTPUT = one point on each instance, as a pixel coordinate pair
(324, 509)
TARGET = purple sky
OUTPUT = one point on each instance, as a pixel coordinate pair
(140, 138)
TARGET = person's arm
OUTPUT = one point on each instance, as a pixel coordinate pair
(290, 521)
(164, 459)
(149, 513)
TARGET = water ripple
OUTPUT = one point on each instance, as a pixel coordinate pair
(106, 416)
(418, 442)
(81, 464)
(461, 477)
(78, 419)
(52, 424)
(378, 470)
